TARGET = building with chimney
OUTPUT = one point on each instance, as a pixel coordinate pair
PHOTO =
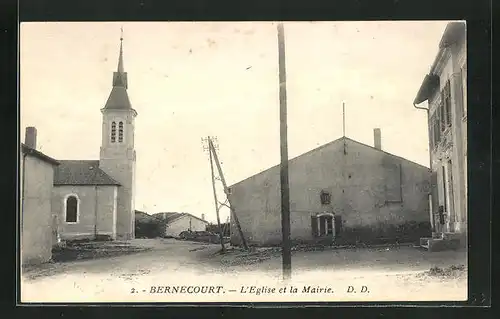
(344, 192)
(445, 91)
(94, 198)
(36, 182)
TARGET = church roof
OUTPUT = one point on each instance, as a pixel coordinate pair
(118, 99)
(81, 172)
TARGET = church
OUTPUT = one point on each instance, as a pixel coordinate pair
(94, 198)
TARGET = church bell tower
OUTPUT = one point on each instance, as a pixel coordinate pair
(117, 156)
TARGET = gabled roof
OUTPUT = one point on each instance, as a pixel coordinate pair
(170, 217)
(33, 152)
(81, 172)
(341, 139)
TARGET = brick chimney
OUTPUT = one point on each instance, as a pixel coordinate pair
(30, 137)
(377, 140)
(203, 216)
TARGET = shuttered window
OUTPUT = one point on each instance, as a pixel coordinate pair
(338, 224)
(434, 191)
(435, 128)
(314, 226)
(445, 106)
(463, 74)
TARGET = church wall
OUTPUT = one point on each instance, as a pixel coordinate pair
(107, 206)
(96, 211)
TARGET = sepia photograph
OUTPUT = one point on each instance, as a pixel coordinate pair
(188, 162)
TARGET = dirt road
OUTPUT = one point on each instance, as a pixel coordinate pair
(387, 274)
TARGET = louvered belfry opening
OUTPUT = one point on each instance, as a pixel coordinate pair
(113, 132)
(120, 132)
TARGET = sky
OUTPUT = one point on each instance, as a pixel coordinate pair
(189, 80)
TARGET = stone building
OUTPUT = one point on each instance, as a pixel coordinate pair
(445, 90)
(342, 192)
(35, 186)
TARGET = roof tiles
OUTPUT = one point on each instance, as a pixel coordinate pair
(81, 172)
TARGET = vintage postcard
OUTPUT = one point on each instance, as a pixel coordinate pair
(243, 161)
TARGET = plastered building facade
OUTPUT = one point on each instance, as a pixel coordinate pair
(342, 192)
(445, 90)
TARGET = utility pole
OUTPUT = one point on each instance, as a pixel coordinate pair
(227, 192)
(343, 127)
(221, 235)
(285, 191)
(343, 119)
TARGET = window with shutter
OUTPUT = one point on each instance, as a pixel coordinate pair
(314, 226)
(463, 74)
(432, 138)
(338, 224)
(447, 103)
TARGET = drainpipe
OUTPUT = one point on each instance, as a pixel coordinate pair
(427, 109)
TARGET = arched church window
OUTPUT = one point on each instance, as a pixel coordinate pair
(113, 132)
(71, 209)
(120, 132)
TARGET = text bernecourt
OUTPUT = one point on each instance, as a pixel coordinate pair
(186, 289)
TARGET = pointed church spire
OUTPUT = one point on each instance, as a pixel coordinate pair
(118, 98)
(120, 58)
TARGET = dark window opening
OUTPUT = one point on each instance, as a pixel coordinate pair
(446, 106)
(71, 209)
(113, 132)
(120, 132)
(445, 191)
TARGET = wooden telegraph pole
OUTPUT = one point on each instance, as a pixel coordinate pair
(285, 191)
(226, 191)
(221, 235)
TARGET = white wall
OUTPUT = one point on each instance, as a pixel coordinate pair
(184, 223)
(36, 214)
(103, 198)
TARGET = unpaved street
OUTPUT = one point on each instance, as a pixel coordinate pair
(387, 273)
